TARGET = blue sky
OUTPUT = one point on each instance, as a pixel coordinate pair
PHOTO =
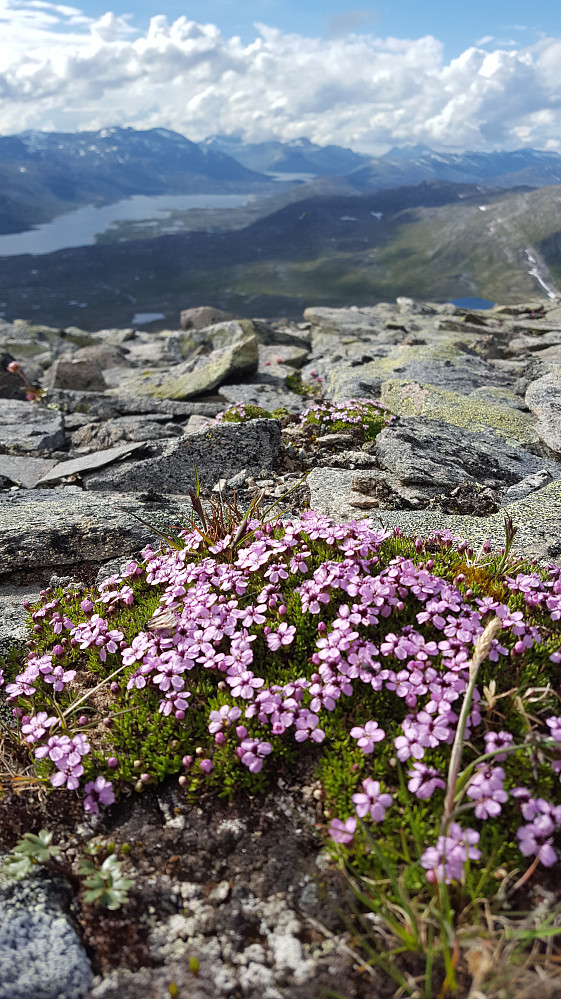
(482, 75)
(457, 25)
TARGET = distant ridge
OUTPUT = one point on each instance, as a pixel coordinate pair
(400, 166)
(413, 164)
(298, 156)
(44, 174)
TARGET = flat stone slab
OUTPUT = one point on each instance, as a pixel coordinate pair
(29, 427)
(76, 526)
(543, 397)
(24, 472)
(353, 320)
(410, 398)
(273, 358)
(538, 516)
(265, 394)
(110, 433)
(438, 455)
(88, 463)
(218, 452)
(448, 364)
(234, 352)
(119, 405)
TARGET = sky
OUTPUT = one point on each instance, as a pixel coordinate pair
(479, 76)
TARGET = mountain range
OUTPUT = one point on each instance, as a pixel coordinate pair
(45, 174)
(414, 222)
(297, 157)
(398, 167)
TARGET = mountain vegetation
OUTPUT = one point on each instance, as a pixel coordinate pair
(432, 240)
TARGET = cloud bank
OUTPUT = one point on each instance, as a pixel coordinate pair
(60, 69)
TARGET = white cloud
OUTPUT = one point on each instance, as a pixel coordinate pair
(61, 69)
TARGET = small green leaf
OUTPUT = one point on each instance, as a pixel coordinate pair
(31, 850)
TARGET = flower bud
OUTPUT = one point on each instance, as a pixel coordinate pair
(207, 766)
(112, 762)
(13, 367)
(187, 761)
(183, 780)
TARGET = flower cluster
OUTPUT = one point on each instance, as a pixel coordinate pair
(368, 414)
(345, 642)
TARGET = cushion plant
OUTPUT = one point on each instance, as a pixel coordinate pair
(227, 656)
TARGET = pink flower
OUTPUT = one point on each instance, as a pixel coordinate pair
(283, 636)
(367, 736)
(98, 792)
(371, 802)
(244, 684)
(343, 832)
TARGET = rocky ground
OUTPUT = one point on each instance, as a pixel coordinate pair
(109, 450)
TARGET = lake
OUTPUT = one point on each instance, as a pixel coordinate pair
(79, 228)
(472, 303)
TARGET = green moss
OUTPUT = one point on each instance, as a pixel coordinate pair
(295, 384)
(243, 412)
